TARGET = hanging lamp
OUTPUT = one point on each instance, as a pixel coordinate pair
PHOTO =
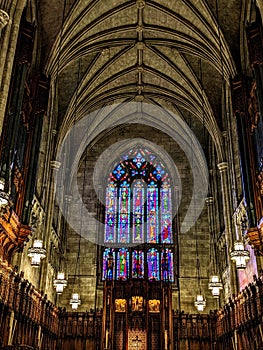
(60, 282)
(240, 255)
(75, 301)
(200, 302)
(36, 253)
(215, 285)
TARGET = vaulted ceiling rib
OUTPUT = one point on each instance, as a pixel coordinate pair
(165, 32)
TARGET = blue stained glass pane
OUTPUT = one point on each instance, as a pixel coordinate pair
(167, 266)
(152, 157)
(153, 264)
(134, 173)
(137, 264)
(166, 214)
(152, 214)
(122, 264)
(138, 159)
(138, 212)
(158, 172)
(108, 264)
(110, 216)
(119, 172)
(124, 215)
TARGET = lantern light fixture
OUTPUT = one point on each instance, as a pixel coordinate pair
(200, 302)
(37, 252)
(215, 285)
(60, 282)
(75, 301)
(240, 255)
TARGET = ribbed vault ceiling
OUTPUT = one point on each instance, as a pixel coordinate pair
(165, 52)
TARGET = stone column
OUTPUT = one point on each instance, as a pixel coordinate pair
(209, 202)
(55, 165)
(8, 48)
(223, 168)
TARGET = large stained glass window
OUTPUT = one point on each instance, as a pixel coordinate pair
(138, 219)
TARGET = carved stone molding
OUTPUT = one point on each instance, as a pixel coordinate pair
(37, 214)
(209, 201)
(240, 216)
(4, 19)
(222, 166)
(55, 165)
(140, 4)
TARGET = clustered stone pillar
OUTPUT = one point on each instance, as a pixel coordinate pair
(54, 165)
(223, 167)
(209, 202)
(10, 17)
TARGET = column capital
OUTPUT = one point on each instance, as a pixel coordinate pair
(209, 201)
(140, 4)
(4, 18)
(222, 166)
(55, 165)
(68, 198)
(224, 133)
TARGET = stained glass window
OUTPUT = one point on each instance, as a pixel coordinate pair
(167, 267)
(122, 264)
(137, 264)
(124, 214)
(138, 210)
(152, 213)
(108, 264)
(153, 264)
(166, 217)
(111, 205)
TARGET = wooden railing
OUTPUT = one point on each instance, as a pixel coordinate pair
(80, 330)
(26, 316)
(239, 322)
(193, 331)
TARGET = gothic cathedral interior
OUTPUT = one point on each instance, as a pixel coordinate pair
(131, 174)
